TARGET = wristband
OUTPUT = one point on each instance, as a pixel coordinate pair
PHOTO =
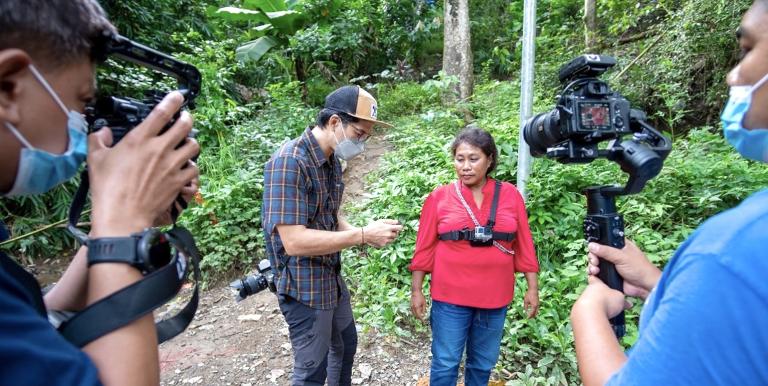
(143, 250)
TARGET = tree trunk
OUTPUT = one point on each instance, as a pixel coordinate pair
(590, 26)
(301, 76)
(457, 51)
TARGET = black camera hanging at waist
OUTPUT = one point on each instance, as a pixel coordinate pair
(140, 298)
(472, 235)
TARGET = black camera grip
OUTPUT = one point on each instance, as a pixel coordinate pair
(610, 276)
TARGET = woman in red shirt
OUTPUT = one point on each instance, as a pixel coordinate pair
(472, 284)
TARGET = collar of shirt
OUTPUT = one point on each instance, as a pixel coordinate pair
(487, 188)
(315, 151)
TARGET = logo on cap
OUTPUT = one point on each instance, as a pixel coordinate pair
(373, 111)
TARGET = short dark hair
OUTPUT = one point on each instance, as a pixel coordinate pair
(481, 139)
(53, 32)
(325, 115)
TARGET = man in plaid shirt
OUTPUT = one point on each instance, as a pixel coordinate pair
(304, 235)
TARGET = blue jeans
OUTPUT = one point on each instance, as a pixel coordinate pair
(453, 327)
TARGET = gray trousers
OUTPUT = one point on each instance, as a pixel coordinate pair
(324, 342)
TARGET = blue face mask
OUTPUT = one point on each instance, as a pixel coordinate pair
(751, 144)
(40, 171)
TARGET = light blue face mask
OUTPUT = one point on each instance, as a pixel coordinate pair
(348, 149)
(751, 144)
(40, 171)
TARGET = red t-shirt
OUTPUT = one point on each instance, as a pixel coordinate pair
(482, 277)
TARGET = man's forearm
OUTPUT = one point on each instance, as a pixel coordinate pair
(127, 356)
(313, 242)
(70, 293)
(598, 353)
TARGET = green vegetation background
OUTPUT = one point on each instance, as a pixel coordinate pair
(393, 48)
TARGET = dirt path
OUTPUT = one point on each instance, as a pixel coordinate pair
(247, 343)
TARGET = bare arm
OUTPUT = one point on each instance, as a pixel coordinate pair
(598, 353)
(132, 184)
(418, 301)
(531, 298)
(298, 240)
(70, 293)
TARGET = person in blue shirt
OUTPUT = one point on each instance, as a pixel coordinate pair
(47, 74)
(705, 319)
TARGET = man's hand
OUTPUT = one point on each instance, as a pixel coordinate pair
(531, 302)
(382, 232)
(187, 192)
(135, 182)
(598, 297)
(418, 304)
(640, 276)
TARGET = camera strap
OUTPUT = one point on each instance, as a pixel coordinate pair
(470, 235)
(140, 298)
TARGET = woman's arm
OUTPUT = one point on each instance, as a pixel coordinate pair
(418, 301)
(531, 299)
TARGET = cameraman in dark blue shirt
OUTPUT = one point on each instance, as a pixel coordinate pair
(46, 77)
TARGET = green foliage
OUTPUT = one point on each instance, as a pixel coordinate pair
(247, 109)
(702, 177)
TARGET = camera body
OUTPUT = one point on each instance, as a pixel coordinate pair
(483, 237)
(252, 284)
(122, 114)
(587, 112)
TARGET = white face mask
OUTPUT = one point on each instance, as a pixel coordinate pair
(347, 149)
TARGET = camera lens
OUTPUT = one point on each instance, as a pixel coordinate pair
(542, 131)
(254, 283)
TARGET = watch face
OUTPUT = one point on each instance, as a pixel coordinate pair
(154, 250)
(160, 254)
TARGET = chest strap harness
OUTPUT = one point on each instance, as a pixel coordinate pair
(481, 236)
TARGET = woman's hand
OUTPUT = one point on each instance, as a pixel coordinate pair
(531, 302)
(418, 304)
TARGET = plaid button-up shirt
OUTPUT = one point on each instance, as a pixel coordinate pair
(303, 187)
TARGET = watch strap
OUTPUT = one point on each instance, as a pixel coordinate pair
(114, 250)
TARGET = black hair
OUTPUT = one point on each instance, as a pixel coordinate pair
(325, 115)
(53, 32)
(481, 139)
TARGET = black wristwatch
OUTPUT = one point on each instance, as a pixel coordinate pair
(147, 250)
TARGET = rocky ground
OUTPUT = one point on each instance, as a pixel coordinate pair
(247, 343)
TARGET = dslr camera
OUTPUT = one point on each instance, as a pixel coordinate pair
(587, 112)
(252, 284)
(121, 114)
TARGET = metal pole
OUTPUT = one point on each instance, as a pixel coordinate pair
(526, 92)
